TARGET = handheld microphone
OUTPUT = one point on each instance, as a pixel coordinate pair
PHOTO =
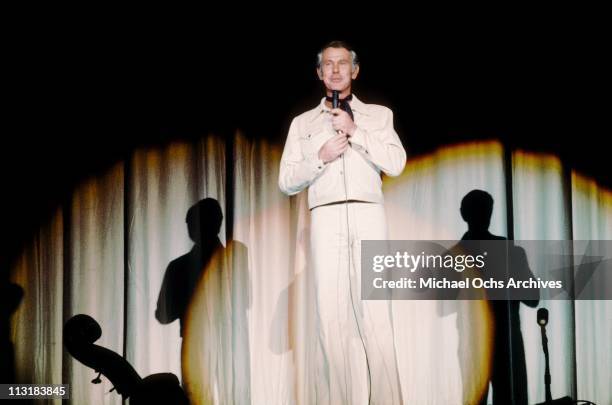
(335, 98)
(542, 316)
(336, 104)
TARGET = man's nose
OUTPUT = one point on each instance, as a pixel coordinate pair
(336, 68)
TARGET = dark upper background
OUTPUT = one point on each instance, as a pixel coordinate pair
(82, 94)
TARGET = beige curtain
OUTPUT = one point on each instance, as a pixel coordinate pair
(592, 219)
(545, 215)
(106, 252)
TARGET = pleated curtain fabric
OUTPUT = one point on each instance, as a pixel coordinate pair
(105, 254)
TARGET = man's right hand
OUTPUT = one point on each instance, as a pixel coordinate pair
(333, 148)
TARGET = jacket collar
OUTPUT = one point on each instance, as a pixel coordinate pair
(356, 105)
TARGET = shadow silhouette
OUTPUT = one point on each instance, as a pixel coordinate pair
(182, 274)
(287, 319)
(80, 333)
(282, 337)
(209, 290)
(12, 295)
(508, 375)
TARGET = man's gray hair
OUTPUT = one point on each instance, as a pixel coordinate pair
(338, 44)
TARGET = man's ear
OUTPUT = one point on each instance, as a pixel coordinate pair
(320, 73)
(355, 72)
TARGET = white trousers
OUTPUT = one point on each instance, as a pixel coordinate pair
(355, 351)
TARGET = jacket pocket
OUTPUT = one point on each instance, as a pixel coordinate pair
(306, 145)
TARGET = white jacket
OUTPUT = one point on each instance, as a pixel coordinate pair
(374, 147)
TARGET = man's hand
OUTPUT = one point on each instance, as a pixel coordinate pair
(333, 148)
(341, 121)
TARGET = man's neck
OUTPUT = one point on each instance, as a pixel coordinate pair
(343, 94)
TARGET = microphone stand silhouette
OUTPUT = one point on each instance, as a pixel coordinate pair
(543, 321)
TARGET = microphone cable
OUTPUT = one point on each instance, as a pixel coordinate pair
(335, 101)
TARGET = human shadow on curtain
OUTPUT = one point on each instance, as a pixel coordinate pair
(508, 369)
(182, 274)
(209, 290)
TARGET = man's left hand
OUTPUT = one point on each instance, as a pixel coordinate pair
(341, 121)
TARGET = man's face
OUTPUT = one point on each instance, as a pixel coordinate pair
(336, 69)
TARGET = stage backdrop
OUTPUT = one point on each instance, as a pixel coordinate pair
(106, 251)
